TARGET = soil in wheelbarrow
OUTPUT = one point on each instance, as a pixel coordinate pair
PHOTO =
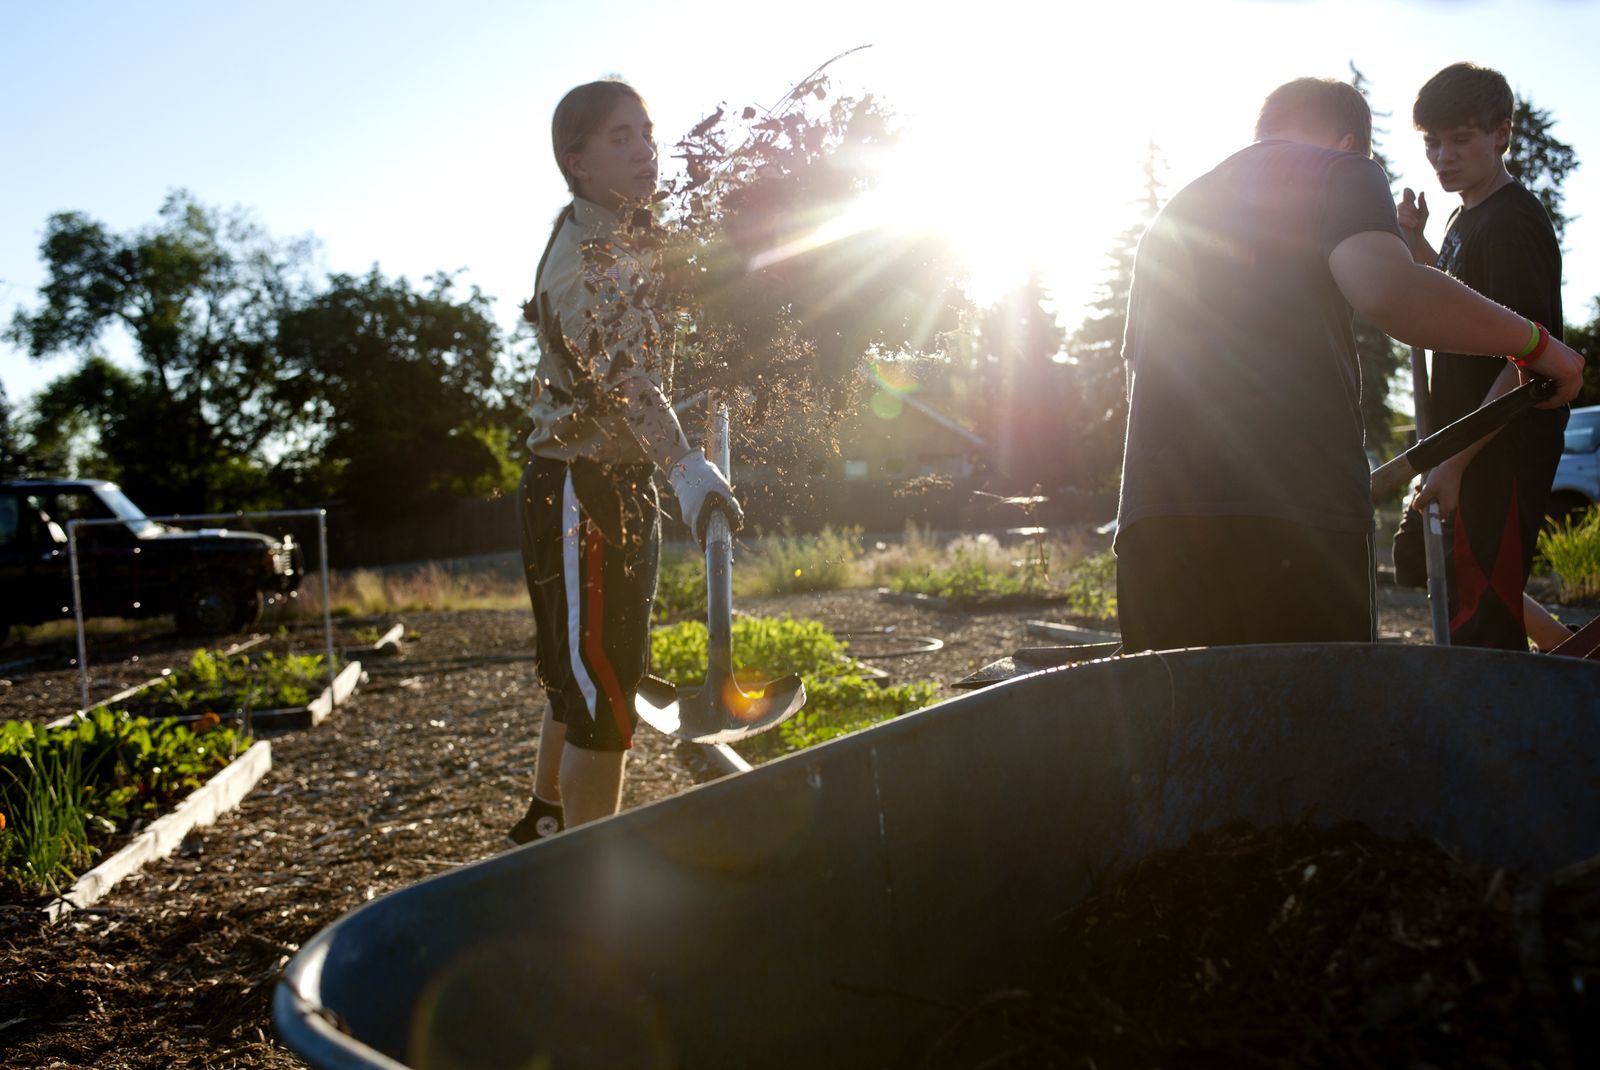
(1298, 946)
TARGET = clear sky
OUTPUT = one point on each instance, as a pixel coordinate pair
(415, 135)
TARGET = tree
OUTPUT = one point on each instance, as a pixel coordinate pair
(1585, 338)
(1018, 391)
(83, 421)
(199, 294)
(10, 460)
(1095, 348)
(400, 396)
(1540, 160)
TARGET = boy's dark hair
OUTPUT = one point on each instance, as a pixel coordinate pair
(1463, 94)
(1324, 104)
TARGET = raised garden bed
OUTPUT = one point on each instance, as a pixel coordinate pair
(162, 836)
(113, 786)
(150, 776)
(264, 694)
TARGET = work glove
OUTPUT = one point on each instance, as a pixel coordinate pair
(699, 486)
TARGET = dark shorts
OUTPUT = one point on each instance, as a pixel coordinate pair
(1489, 543)
(1187, 581)
(591, 543)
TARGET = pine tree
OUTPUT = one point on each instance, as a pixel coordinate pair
(1025, 390)
(1540, 160)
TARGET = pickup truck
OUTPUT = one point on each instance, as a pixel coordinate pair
(213, 581)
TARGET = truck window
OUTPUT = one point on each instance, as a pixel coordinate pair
(10, 530)
(77, 505)
(1583, 433)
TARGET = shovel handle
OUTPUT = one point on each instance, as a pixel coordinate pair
(1453, 438)
(719, 556)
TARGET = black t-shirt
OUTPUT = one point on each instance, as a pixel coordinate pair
(1244, 390)
(1506, 249)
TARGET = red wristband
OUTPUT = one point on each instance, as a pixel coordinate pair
(1538, 350)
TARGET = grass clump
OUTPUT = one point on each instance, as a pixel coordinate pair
(979, 568)
(797, 564)
(976, 567)
(840, 698)
(918, 551)
(1572, 549)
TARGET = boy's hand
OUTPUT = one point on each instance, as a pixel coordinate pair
(1412, 212)
(1440, 484)
(699, 485)
(1563, 364)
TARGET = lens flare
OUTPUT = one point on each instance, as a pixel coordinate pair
(745, 695)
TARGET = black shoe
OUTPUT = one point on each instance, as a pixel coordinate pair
(542, 821)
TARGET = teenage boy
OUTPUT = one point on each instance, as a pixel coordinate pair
(1499, 242)
(1245, 513)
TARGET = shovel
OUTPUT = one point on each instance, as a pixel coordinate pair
(720, 710)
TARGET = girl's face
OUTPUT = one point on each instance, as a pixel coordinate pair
(618, 164)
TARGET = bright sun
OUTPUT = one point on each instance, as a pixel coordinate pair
(926, 188)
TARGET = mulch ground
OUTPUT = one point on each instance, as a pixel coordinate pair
(422, 771)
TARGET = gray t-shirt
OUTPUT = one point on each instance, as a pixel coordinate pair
(1243, 388)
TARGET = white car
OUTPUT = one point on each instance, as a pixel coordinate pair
(1577, 482)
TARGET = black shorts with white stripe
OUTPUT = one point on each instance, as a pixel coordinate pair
(591, 543)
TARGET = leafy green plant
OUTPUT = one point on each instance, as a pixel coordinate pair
(839, 697)
(796, 564)
(214, 681)
(65, 790)
(1573, 550)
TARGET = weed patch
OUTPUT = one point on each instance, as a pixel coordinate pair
(1572, 549)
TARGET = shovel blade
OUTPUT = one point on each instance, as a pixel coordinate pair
(718, 711)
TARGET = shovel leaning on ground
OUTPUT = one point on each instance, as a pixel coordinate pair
(720, 710)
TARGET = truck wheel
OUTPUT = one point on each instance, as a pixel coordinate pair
(215, 605)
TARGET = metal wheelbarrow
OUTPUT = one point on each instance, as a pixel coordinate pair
(827, 909)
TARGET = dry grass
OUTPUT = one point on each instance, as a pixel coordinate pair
(365, 592)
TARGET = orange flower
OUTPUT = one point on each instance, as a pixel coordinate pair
(207, 722)
(2, 821)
